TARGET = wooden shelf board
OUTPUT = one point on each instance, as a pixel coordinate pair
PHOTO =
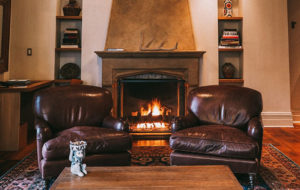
(67, 49)
(69, 17)
(231, 49)
(230, 18)
(231, 80)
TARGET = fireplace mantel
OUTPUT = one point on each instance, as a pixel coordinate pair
(118, 64)
(150, 54)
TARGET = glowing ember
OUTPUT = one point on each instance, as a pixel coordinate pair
(151, 125)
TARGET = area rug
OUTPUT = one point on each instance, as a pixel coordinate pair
(277, 170)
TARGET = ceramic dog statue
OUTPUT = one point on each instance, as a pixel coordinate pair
(77, 154)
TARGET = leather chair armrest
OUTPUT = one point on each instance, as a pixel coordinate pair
(43, 134)
(184, 122)
(117, 124)
(43, 131)
(255, 130)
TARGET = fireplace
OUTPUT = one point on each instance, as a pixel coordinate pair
(142, 80)
(149, 101)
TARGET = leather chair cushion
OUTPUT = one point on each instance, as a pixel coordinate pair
(217, 140)
(99, 140)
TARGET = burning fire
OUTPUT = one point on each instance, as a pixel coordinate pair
(154, 109)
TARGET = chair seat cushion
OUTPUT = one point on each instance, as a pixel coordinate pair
(99, 140)
(217, 140)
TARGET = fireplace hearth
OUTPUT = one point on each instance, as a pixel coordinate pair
(141, 80)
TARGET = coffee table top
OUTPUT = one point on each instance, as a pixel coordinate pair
(150, 177)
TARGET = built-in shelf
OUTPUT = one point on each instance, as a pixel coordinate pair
(230, 18)
(69, 17)
(67, 49)
(231, 49)
(231, 80)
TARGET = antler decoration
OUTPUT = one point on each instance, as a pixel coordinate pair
(146, 48)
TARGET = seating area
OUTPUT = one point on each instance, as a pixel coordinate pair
(78, 112)
(222, 127)
(108, 94)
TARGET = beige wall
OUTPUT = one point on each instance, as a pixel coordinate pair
(32, 26)
(266, 59)
(94, 29)
(266, 63)
(205, 24)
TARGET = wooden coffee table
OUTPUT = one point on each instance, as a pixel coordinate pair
(150, 177)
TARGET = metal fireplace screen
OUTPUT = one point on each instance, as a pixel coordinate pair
(150, 104)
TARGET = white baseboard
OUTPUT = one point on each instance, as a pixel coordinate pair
(277, 119)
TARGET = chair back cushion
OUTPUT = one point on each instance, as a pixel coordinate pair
(225, 105)
(64, 107)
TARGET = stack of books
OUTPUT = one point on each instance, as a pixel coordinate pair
(230, 37)
(71, 38)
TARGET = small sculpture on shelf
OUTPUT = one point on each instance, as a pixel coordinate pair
(228, 8)
(228, 70)
(77, 154)
(72, 8)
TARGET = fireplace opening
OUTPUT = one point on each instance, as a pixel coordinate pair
(148, 102)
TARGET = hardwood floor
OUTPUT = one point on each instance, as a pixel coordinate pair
(287, 140)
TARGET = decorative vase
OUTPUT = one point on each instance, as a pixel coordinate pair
(228, 8)
(77, 154)
(72, 8)
(228, 70)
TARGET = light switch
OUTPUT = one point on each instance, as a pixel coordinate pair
(29, 52)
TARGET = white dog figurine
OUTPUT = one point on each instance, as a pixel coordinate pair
(77, 154)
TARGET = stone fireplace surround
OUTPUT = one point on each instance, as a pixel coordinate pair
(119, 64)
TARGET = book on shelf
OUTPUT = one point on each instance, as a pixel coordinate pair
(71, 38)
(69, 46)
(71, 31)
(224, 47)
(71, 41)
(114, 49)
(230, 37)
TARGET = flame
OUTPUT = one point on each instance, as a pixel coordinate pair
(154, 108)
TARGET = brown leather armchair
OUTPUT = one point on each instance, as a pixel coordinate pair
(223, 127)
(78, 112)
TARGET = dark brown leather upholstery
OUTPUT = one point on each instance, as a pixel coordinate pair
(223, 126)
(78, 112)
